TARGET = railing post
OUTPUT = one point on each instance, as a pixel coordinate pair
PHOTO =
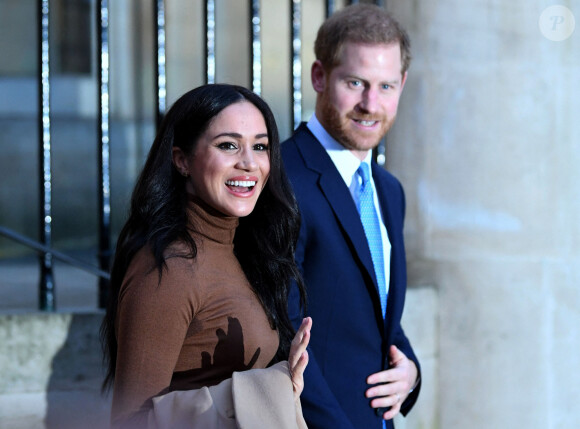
(210, 41)
(380, 153)
(47, 299)
(160, 75)
(256, 47)
(104, 150)
(296, 76)
(329, 7)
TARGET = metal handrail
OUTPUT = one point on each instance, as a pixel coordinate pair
(41, 248)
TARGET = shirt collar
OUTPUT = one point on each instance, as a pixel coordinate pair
(344, 160)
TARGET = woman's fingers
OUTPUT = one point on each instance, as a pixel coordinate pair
(300, 342)
(298, 359)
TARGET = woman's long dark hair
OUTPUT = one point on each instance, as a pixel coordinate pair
(264, 242)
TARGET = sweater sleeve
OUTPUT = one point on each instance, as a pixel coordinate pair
(153, 317)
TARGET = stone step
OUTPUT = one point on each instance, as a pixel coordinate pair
(51, 371)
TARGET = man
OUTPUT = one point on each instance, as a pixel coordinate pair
(362, 368)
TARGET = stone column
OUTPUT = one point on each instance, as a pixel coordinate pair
(487, 145)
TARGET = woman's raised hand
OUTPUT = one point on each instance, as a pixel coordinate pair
(298, 358)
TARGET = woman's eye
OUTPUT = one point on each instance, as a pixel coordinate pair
(261, 146)
(226, 146)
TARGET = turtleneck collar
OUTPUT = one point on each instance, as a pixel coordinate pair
(210, 223)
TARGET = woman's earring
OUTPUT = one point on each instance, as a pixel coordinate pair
(185, 174)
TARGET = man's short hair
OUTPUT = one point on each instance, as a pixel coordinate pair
(359, 23)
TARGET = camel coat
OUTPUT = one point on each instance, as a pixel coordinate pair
(258, 398)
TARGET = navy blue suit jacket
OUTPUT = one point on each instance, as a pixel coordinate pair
(350, 340)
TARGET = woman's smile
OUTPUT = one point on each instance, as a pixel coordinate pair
(242, 186)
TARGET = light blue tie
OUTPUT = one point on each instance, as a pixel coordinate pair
(370, 221)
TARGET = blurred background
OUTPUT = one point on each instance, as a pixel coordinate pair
(486, 144)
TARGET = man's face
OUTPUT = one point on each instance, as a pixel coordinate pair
(357, 101)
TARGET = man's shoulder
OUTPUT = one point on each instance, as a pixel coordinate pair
(300, 134)
(291, 153)
(297, 147)
(382, 173)
(386, 180)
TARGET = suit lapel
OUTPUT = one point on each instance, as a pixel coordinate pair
(386, 209)
(337, 194)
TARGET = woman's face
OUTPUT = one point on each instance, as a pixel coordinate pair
(230, 163)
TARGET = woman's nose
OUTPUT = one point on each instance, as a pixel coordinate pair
(247, 160)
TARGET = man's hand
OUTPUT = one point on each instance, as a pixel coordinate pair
(395, 383)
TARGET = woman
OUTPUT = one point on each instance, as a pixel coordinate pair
(204, 262)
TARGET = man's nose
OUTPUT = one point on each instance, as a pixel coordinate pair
(369, 100)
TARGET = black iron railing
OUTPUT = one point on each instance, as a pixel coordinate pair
(47, 299)
(104, 166)
(43, 250)
(160, 76)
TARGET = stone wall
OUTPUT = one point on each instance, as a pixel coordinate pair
(51, 371)
(487, 144)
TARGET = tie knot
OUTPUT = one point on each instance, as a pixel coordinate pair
(364, 173)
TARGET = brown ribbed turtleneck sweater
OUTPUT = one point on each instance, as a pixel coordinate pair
(195, 328)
